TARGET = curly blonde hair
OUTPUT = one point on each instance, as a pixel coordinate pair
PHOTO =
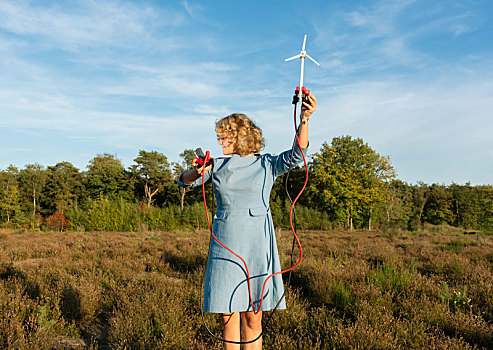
(247, 137)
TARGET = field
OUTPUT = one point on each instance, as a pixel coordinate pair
(353, 290)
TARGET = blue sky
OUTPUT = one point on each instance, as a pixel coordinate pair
(412, 78)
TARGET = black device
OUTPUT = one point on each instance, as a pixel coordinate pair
(304, 95)
(199, 153)
(201, 157)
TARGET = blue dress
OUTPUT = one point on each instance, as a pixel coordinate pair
(243, 223)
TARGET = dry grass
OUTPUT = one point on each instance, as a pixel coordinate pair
(354, 290)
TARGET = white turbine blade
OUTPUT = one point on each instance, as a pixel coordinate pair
(292, 58)
(304, 42)
(318, 64)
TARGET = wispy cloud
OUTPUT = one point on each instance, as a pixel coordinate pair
(87, 24)
(386, 35)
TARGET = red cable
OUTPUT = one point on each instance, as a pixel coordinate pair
(207, 157)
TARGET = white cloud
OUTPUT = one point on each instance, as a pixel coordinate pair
(90, 23)
(380, 20)
(457, 24)
(425, 126)
(197, 12)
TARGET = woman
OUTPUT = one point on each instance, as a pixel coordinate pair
(243, 222)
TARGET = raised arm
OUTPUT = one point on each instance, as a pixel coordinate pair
(307, 110)
(283, 161)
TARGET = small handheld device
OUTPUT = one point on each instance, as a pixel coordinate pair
(202, 158)
(304, 95)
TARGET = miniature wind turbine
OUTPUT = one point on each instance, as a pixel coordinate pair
(302, 56)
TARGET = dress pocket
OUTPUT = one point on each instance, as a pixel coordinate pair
(258, 211)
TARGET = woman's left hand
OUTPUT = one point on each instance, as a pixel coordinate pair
(201, 168)
(309, 108)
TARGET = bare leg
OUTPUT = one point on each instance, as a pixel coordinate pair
(252, 327)
(231, 330)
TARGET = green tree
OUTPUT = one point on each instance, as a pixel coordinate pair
(483, 196)
(348, 179)
(398, 205)
(9, 194)
(464, 205)
(419, 194)
(472, 206)
(106, 177)
(63, 189)
(31, 182)
(152, 173)
(377, 174)
(438, 208)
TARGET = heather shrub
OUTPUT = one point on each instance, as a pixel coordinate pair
(29, 320)
(142, 290)
(151, 314)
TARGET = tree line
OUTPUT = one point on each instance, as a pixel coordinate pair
(350, 186)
